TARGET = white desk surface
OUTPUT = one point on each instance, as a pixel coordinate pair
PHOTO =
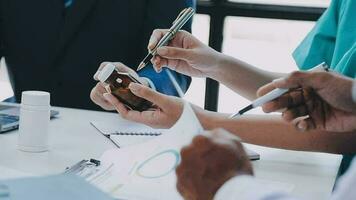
(72, 139)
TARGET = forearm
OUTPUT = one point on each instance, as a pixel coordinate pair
(241, 77)
(271, 131)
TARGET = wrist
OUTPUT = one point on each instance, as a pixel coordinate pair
(218, 70)
(209, 120)
(218, 60)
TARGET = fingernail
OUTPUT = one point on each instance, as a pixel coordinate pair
(107, 96)
(150, 43)
(134, 87)
(119, 80)
(301, 127)
(162, 51)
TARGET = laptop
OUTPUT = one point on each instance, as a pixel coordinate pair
(10, 115)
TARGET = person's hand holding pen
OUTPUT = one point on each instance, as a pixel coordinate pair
(184, 54)
(317, 100)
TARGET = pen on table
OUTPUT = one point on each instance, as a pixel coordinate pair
(274, 94)
(182, 19)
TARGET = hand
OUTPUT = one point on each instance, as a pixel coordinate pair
(167, 109)
(211, 160)
(184, 54)
(97, 93)
(318, 100)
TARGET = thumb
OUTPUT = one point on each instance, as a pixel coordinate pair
(147, 93)
(175, 53)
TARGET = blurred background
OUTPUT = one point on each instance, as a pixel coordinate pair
(261, 32)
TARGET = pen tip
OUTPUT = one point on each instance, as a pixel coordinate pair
(142, 65)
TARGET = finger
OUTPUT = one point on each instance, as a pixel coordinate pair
(265, 89)
(293, 113)
(96, 96)
(163, 62)
(144, 92)
(186, 152)
(120, 108)
(149, 117)
(102, 102)
(291, 99)
(155, 37)
(99, 88)
(201, 142)
(158, 63)
(175, 53)
(184, 184)
(305, 124)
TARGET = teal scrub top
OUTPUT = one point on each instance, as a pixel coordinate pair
(332, 40)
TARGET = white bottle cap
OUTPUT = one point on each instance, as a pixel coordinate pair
(106, 72)
(35, 98)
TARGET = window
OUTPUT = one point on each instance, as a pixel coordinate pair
(254, 31)
(200, 29)
(265, 43)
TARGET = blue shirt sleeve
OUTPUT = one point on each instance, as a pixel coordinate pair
(162, 82)
(318, 46)
(332, 40)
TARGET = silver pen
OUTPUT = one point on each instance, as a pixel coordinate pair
(274, 94)
(181, 20)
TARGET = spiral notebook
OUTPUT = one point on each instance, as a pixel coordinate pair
(127, 134)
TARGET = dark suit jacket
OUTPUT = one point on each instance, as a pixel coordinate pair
(50, 48)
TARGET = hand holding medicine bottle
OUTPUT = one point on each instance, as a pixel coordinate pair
(99, 90)
(165, 112)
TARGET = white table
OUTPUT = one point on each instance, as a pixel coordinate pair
(74, 139)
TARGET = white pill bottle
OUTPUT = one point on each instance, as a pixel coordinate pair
(34, 121)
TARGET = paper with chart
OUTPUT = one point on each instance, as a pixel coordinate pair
(150, 167)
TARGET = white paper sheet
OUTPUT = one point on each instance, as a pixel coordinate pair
(151, 166)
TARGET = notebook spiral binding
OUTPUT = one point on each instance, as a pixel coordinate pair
(136, 134)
